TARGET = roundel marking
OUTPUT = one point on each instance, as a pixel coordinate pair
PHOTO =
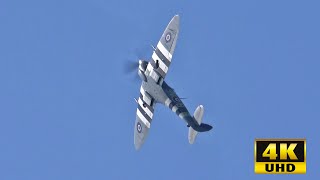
(168, 37)
(139, 127)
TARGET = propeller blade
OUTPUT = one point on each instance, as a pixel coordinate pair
(130, 66)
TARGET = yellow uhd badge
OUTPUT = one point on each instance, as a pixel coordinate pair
(280, 156)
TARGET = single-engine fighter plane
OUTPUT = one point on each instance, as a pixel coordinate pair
(155, 90)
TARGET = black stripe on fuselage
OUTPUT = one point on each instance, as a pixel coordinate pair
(171, 105)
(144, 113)
(162, 57)
(181, 110)
(178, 112)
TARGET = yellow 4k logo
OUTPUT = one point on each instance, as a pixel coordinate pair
(284, 151)
(279, 156)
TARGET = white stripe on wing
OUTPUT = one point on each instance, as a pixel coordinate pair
(149, 113)
(164, 51)
(161, 63)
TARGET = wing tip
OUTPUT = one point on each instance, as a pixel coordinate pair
(176, 18)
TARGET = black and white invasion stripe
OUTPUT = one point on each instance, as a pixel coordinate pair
(144, 110)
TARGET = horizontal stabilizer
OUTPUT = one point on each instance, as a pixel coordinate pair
(201, 127)
(198, 114)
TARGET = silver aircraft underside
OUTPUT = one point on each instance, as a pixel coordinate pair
(155, 90)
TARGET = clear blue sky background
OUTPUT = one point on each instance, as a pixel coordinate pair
(67, 109)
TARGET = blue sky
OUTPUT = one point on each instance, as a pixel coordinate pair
(67, 108)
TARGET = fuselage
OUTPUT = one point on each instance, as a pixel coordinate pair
(162, 93)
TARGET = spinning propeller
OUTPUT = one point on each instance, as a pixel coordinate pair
(131, 66)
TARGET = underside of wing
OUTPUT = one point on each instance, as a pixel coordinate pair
(143, 118)
(162, 55)
(157, 69)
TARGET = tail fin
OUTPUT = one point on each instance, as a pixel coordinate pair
(198, 114)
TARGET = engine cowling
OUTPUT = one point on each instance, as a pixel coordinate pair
(142, 68)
